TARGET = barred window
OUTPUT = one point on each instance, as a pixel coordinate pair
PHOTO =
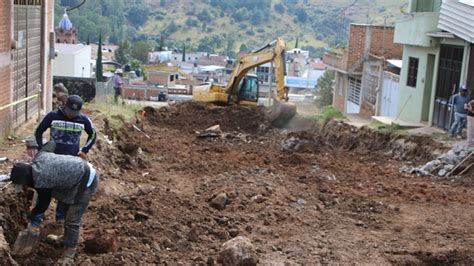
(412, 72)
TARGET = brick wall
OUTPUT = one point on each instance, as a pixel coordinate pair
(139, 93)
(380, 37)
(5, 64)
(339, 100)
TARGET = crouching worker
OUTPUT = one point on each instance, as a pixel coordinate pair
(69, 179)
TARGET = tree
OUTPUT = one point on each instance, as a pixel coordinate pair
(140, 51)
(211, 43)
(162, 44)
(241, 15)
(204, 16)
(190, 22)
(138, 15)
(324, 91)
(230, 44)
(257, 17)
(135, 64)
(296, 44)
(171, 28)
(301, 15)
(280, 8)
(243, 48)
(98, 64)
(122, 53)
(184, 53)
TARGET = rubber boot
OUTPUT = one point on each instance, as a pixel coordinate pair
(68, 256)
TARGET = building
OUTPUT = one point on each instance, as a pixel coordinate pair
(437, 37)
(65, 32)
(297, 52)
(72, 60)
(212, 60)
(359, 68)
(189, 57)
(297, 60)
(26, 35)
(163, 78)
(159, 57)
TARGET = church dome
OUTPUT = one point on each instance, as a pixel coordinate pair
(65, 23)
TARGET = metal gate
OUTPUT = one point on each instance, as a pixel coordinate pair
(353, 96)
(390, 90)
(449, 76)
(26, 58)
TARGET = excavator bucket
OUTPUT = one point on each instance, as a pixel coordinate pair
(280, 113)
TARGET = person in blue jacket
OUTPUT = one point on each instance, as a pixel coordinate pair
(66, 125)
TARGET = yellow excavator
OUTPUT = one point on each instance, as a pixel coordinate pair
(243, 88)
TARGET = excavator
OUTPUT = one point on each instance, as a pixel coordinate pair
(243, 88)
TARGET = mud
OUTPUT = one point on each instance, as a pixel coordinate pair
(333, 195)
(192, 116)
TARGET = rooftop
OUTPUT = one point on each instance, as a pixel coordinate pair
(65, 48)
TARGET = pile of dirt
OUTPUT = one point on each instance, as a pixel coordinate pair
(340, 135)
(12, 213)
(337, 136)
(195, 116)
(323, 196)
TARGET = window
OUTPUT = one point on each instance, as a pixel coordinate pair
(412, 71)
(353, 94)
(340, 83)
(263, 73)
(172, 78)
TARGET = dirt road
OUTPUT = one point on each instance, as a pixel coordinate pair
(333, 195)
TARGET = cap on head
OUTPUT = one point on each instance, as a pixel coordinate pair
(119, 71)
(463, 88)
(21, 174)
(73, 105)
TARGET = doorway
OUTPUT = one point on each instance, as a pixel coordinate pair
(449, 77)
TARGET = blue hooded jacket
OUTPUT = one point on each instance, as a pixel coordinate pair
(66, 133)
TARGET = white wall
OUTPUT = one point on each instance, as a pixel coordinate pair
(71, 65)
(63, 65)
(83, 60)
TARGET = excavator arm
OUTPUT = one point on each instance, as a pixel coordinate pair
(272, 52)
(281, 111)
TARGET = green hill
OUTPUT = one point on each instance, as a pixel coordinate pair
(228, 25)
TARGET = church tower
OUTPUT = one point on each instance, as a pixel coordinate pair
(65, 32)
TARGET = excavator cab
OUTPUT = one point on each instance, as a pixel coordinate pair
(247, 92)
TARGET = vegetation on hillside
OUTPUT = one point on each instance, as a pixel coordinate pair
(225, 26)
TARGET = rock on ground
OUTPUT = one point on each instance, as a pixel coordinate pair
(220, 201)
(238, 251)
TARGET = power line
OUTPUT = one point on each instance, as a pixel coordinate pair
(72, 8)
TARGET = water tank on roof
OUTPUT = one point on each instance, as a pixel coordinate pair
(127, 68)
